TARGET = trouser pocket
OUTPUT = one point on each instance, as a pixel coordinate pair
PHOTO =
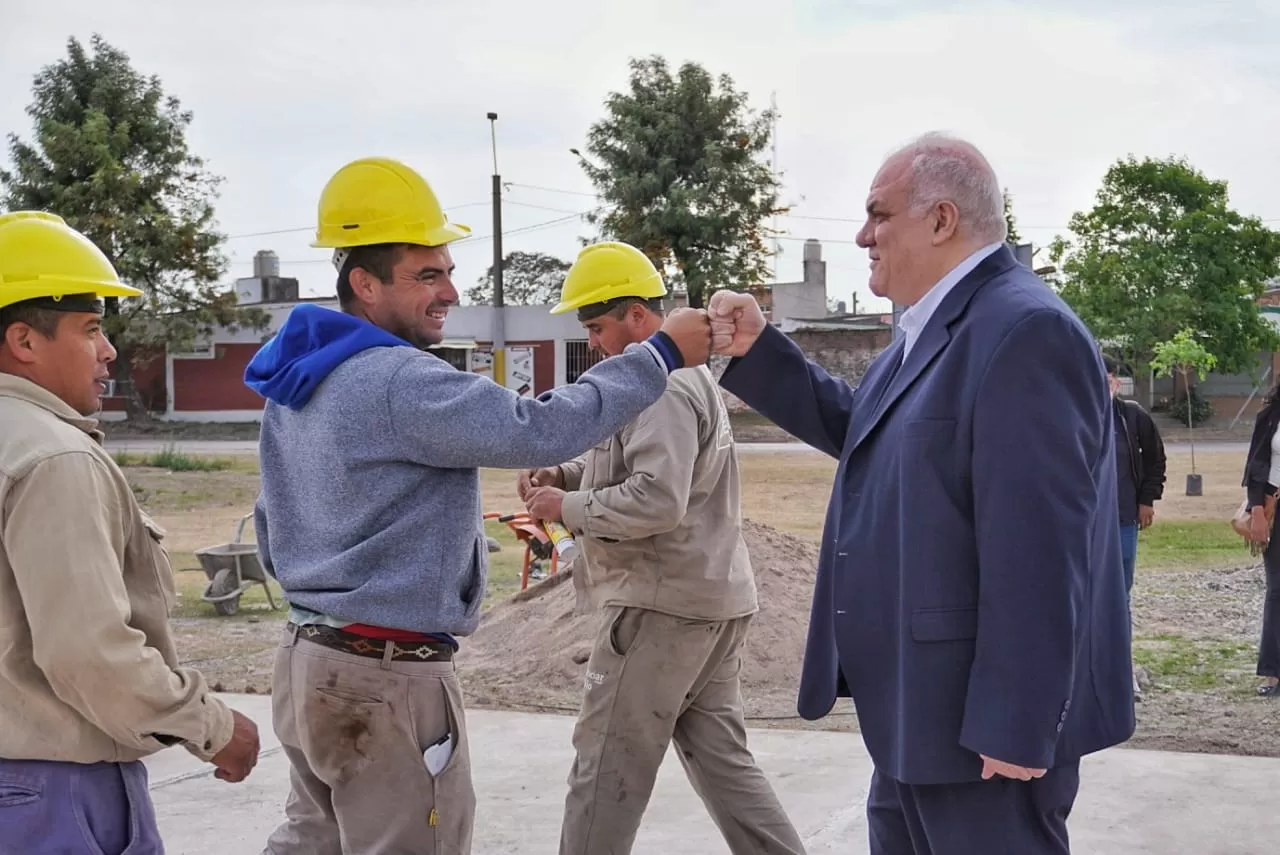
(95, 808)
(453, 797)
(624, 628)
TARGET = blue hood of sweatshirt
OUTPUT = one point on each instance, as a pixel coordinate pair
(311, 343)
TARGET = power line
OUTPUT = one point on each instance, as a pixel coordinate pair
(790, 215)
(550, 189)
(312, 228)
(538, 207)
(271, 232)
(545, 189)
(821, 240)
(535, 227)
(471, 240)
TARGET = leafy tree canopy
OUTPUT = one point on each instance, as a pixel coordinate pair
(109, 155)
(528, 279)
(1162, 251)
(677, 161)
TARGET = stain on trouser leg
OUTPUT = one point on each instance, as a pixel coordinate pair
(711, 736)
(640, 674)
(354, 729)
(652, 677)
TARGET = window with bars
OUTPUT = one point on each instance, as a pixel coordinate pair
(455, 356)
(578, 357)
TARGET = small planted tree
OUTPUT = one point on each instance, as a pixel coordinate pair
(1182, 356)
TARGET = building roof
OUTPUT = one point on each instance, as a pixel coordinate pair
(846, 322)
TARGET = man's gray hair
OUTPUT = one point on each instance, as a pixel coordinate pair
(947, 168)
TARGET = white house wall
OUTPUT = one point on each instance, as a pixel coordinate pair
(523, 323)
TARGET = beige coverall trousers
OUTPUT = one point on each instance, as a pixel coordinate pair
(653, 678)
(354, 730)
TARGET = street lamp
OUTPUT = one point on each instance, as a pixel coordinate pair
(499, 310)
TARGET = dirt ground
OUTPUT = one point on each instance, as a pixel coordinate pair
(531, 650)
(1197, 604)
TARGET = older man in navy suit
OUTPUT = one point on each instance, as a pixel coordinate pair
(969, 595)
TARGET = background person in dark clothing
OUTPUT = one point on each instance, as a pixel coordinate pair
(1140, 467)
(1261, 477)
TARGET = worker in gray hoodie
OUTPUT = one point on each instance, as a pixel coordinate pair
(370, 515)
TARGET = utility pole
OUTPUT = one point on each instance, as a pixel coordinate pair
(499, 310)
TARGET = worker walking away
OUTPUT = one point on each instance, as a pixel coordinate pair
(89, 677)
(370, 516)
(656, 510)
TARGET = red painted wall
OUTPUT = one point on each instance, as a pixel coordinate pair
(150, 381)
(202, 385)
(215, 384)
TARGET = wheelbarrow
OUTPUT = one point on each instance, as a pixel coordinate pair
(232, 568)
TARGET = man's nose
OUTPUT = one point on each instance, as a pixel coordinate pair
(865, 235)
(448, 293)
(107, 352)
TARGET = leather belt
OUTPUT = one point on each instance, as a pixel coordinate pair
(372, 648)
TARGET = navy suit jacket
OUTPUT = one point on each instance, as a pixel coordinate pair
(969, 594)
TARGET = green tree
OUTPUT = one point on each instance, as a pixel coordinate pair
(1010, 220)
(1162, 251)
(110, 156)
(1184, 355)
(677, 161)
(528, 279)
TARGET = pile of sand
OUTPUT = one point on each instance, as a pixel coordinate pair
(530, 651)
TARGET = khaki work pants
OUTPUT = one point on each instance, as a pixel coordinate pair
(354, 730)
(653, 678)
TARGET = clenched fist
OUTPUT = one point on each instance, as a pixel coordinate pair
(237, 759)
(736, 322)
(691, 331)
(530, 478)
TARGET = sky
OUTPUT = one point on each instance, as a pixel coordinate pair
(284, 92)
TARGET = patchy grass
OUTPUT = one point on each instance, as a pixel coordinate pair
(1177, 664)
(1190, 545)
(786, 490)
(173, 460)
(163, 492)
(1222, 493)
(253, 602)
(504, 580)
(750, 426)
(504, 566)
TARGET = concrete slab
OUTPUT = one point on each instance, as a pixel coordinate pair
(1131, 802)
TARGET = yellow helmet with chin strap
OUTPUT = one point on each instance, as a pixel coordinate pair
(608, 271)
(377, 200)
(43, 257)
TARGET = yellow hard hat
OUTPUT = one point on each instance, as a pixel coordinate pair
(606, 271)
(42, 256)
(377, 200)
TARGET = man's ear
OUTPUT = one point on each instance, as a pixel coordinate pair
(19, 341)
(363, 284)
(946, 221)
